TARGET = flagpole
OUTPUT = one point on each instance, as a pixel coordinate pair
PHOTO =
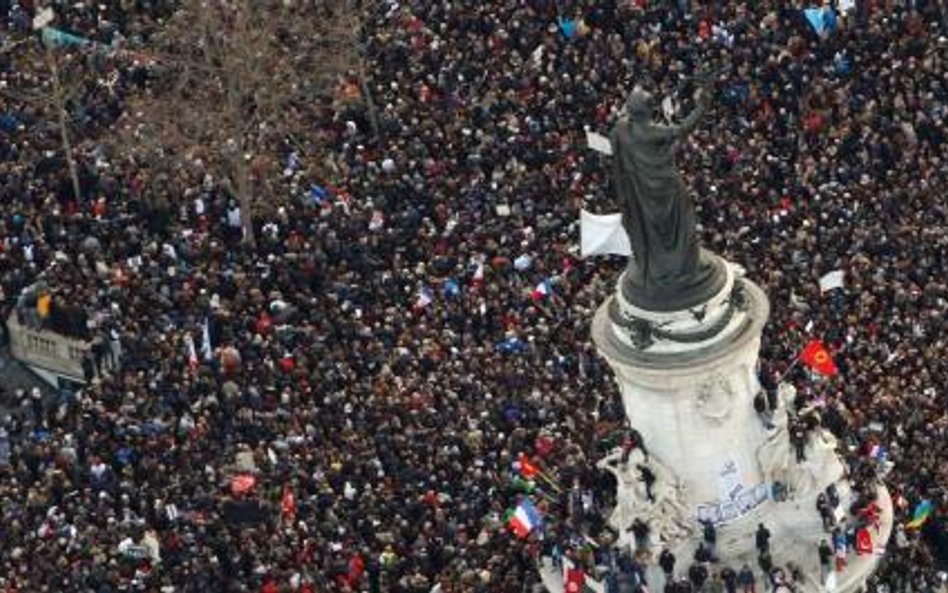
(546, 496)
(543, 474)
(550, 481)
(786, 371)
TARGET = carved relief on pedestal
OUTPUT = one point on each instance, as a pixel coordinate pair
(778, 460)
(667, 516)
(715, 398)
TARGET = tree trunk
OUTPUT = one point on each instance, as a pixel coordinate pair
(369, 103)
(63, 125)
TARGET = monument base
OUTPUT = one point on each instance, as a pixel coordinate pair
(688, 379)
(796, 531)
(690, 394)
(700, 287)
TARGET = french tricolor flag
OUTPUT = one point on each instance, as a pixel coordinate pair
(524, 519)
(543, 290)
(193, 361)
(478, 278)
(425, 298)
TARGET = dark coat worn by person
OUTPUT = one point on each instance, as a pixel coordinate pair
(667, 561)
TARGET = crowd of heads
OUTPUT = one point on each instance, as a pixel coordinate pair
(383, 352)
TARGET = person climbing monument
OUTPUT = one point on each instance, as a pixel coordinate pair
(640, 530)
(667, 561)
(762, 539)
(710, 536)
(746, 579)
(648, 477)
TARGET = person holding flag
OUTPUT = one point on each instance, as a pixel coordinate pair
(923, 511)
(529, 470)
(526, 467)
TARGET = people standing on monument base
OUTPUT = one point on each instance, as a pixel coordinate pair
(729, 577)
(703, 554)
(746, 579)
(826, 513)
(766, 561)
(762, 539)
(698, 575)
(826, 558)
(667, 561)
(647, 477)
(798, 438)
(841, 548)
(710, 536)
(763, 410)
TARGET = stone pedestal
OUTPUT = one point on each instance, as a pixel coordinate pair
(690, 392)
(688, 379)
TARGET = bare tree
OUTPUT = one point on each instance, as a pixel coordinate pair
(50, 81)
(233, 79)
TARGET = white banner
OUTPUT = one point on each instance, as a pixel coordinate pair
(602, 234)
(598, 142)
(834, 279)
(729, 480)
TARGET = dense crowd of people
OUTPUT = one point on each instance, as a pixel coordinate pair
(337, 407)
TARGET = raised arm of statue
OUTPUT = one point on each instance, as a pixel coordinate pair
(676, 131)
(696, 115)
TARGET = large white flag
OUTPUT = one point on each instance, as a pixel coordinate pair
(598, 142)
(602, 234)
(834, 279)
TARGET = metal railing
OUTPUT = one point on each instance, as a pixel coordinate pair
(47, 350)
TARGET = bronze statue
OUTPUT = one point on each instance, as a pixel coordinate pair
(668, 271)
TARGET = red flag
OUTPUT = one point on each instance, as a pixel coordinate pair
(818, 358)
(242, 483)
(863, 542)
(288, 505)
(575, 579)
(527, 468)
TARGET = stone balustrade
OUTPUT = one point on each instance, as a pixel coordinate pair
(47, 350)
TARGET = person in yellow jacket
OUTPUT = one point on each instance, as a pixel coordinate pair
(43, 304)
